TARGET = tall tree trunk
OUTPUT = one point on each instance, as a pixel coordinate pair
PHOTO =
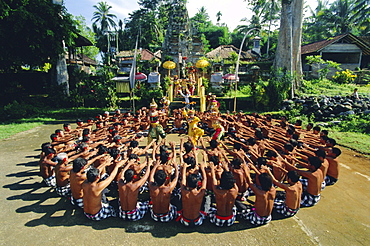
(288, 51)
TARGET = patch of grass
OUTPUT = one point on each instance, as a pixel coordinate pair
(7, 130)
(353, 140)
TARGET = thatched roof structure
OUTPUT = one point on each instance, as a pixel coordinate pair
(224, 52)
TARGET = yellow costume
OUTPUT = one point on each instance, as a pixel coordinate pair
(193, 130)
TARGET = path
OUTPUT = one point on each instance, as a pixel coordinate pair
(33, 215)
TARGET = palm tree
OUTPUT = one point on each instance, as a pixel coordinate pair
(103, 17)
(218, 15)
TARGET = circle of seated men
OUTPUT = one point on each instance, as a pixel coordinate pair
(256, 156)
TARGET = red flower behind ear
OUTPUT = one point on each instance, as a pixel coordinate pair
(167, 178)
(135, 176)
(199, 183)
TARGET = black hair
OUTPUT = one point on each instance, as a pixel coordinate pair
(251, 141)
(192, 180)
(134, 143)
(45, 146)
(298, 122)
(324, 137)
(133, 156)
(316, 128)
(227, 180)
(163, 149)
(215, 159)
(337, 152)
(237, 146)
(66, 124)
(293, 176)
(290, 131)
(213, 143)
(114, 133)
(236, 162)
(92, 174)
(320, 153)
(191, 161)
(49, 151)
(78, 120)
(265, 181)
(160, 177)
(332, 141)
(271, 153)
(164, 157)
(114, 152)
(85, 139)
(78, 164)
(289, 147)
(58, 131)
(188, 146)
(259, 134)
(102, 149)
(315, 161)
(116, 138)
(261, 161)
(295, 136)
(325, 132)
(293, 142)
(52, 136)
(85, 132)
(129, 175)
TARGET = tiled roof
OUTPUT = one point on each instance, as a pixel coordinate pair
(224, 52)
(129, 54)
(318, 46)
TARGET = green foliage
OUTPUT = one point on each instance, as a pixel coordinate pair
(355, 123)
(94, 91)
(344, 77)
(16, 110)
(85, 31)
(32, 33)
(325, 64)
(205, 82)
(146, 93)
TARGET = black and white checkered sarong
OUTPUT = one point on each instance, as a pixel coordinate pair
(51, 181)
(63, 190)
(136, 214)
(255, 219)
(78, 202)
(220, 220)
(105, 212)
(283, 209)
(309, 200)
(164, 217)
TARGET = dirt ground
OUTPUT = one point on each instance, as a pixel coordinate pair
(32, 214)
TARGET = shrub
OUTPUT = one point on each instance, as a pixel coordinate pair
(344, 77)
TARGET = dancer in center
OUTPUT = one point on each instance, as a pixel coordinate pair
(155, 129)
(194, 132)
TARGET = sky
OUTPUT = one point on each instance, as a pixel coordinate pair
(232, 10)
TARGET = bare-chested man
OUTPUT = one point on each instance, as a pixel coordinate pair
(293, 191)
(62, 170)
(265, 196)
(77, 177)
(225, 193)
(94, 208)
(312, 183)
(193, 190)
(160, 194)
(128, 188)
(47, 167)
(333, 170)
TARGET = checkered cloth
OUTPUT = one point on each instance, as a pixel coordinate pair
(144, 187)
(164, 217)
(309, 200)
(187, 222)
(136, 214)
(283, 209)
(220, 220)
(78, 202)
(255, 219)
(51, 181)
(105, 212)
(329, 180)
(64, 191)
